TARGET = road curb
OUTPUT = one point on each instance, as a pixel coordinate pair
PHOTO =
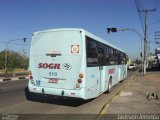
(13, 79)
(105, 108)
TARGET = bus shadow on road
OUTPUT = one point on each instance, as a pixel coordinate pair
(72, 102)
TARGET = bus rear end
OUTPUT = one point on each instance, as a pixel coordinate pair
(56, 63)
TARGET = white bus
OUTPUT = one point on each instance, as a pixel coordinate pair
(74, 63)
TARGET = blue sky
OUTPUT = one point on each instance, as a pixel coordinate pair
(20, 18)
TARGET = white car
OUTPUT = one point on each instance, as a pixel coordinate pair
(132, 67)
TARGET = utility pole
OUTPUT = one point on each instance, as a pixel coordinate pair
(146, 11)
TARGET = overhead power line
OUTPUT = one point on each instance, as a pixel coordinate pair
(139, 7)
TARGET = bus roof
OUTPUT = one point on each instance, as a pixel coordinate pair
(85, 32)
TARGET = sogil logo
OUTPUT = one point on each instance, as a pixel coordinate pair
(65, 66)
(50, 66)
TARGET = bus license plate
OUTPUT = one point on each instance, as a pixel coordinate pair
(53, 80)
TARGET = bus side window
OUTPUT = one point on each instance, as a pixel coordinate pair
(91, 47)
(107, 56)
(101, 53)
(121, 58)
(111, 56)
(124, 58)
(116, 57)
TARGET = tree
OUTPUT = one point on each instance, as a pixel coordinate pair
(2, 59)
(14, 60)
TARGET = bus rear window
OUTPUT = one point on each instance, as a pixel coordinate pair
(92, 59)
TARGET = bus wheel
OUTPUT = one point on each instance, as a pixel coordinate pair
(109, 85)
(29, 96)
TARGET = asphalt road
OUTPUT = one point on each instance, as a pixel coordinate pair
(13, 101)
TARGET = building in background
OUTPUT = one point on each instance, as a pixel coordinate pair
(157, 53)
(129, 61)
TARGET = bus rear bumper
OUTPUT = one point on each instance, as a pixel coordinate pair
(56, 91)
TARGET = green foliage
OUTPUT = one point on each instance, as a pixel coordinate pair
(2, 59)
(14, 60)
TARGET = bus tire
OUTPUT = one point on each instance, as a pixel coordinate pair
(29, 95)
(109, 85)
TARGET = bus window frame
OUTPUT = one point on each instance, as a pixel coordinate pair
(109, 51)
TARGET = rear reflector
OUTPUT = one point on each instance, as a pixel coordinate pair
(72, 93)
(34, 88)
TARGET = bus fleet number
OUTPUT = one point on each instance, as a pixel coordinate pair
(52, 73)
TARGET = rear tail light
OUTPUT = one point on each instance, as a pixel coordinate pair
(30, 75)
(77, 85)
(81, 75)
(80, 78)
(79, 81)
